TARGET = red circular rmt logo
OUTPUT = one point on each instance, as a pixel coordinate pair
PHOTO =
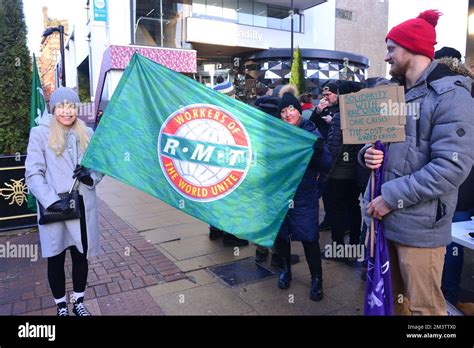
(204, 152)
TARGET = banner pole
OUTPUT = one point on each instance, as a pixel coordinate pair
(372, 222)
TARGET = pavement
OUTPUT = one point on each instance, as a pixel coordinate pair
(157, 260)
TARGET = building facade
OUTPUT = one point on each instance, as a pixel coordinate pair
(48, 67)
(361, 27)
(240, 39)
(212, 36)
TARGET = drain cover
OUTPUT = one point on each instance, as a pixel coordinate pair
(241, 272)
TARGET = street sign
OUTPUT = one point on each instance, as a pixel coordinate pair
(100, 10)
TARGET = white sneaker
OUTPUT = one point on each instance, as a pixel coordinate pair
(62, 309)
(79, 309)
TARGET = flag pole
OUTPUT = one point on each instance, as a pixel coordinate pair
(372, 222)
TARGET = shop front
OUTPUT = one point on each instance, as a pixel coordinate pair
(272, 67)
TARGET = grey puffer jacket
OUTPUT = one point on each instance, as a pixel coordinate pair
(423, 173)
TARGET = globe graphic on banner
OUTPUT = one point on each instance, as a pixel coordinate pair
(204, 152)
(208, 131)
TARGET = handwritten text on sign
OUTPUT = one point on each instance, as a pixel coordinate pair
(370, 115)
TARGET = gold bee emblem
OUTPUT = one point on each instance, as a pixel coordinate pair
(16, 191)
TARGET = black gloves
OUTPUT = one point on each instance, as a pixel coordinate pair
(83, 175)
(318, 147)
(61, 206)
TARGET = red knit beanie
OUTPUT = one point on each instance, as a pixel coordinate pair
(418, 34)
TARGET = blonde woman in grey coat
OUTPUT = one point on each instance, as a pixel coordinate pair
(55, 149)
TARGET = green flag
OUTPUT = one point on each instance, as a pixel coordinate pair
(198, 150)
(37, 110)
(38, 103)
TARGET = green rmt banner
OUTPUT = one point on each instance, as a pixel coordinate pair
(211, 156)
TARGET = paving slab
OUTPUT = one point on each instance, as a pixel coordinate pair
(191, 247)
(163, 219)
(349, 294)
(92, 306)
(158, 235)
(346, 311)
(191, 229)
(172, 233)
(195, 263)
(267, 299)
(230, 254)
(202, 277)
(169, 288)
(212, 299)
(135, 302)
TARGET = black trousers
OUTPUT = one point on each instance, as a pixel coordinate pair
(80, 266)
(344, 197)
(57, 277)
(311, 251)
(323, 191)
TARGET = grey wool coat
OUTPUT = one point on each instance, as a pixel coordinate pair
(46, 176)
(423, 173)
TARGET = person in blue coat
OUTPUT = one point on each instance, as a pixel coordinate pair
(301, 222)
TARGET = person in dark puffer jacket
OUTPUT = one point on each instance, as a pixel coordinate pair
(301, 222)
(343, 185)
(269, 104)
(327, 107)
(322, 116)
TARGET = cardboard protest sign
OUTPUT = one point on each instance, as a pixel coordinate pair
(373, 114)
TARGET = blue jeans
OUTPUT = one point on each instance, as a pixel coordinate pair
(453, 263)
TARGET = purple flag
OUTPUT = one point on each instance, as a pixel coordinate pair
(378, 288)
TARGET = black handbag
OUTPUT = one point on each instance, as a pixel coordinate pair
(47, 217)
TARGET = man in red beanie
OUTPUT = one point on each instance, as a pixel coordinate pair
(423, 173)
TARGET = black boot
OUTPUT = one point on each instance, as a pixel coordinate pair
(231, 240)
(261, 255)
(284, 279)
(215, 233)
(316, 293)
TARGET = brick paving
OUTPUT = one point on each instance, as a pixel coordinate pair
(117, 277)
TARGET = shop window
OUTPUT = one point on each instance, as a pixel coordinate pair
(279, 18)
(248, 12)
(229, 10)
(214, 8)
(199, 7)
(155, 29)
(260, 15)
(245, 12)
